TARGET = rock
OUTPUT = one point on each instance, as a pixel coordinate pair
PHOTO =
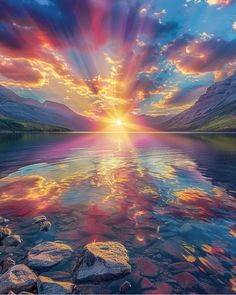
(39, 219)
(45, 226)
(12, 240)
(124, 288)
(46, 285)
(6, 264)
(11, 293)
(4, 232)
(147, 267)
(48, 254)
(146, 284)
(183, 266)
(163, 288)
(3, 220)
(186, 280)
(102, 261)
(173, 248)
(25, 293)
(18, 278)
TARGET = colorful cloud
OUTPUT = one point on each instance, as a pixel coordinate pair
(101, 56)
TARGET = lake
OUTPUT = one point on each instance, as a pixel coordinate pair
(170, 199)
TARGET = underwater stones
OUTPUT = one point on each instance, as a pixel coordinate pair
(3, 220)
(45, 226)
(173, 248)
(186, 280)
(4, 232)
(102, 261)
(46, 285)
(39, 219)
(124, 288)
(163, 288)
(146, 284)
(183, 266)
(48, 254)
(6, 264)
(12, 240)
(18, 278)
(147, 267)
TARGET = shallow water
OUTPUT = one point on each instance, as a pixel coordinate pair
(169, 198)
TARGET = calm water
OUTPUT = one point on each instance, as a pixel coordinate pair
(170, 199)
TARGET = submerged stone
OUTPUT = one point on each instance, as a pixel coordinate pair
(186, 280)
(6, 264)
(124, 288)
(4, 232)
(46, 285)
(102, 261)
(16, 279)
(39, 219)
(12, 240)
(48, 254)
(45, 226)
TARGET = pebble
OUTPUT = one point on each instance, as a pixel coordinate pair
(4, 232)
(124, 288)
(45, 226)
(12, 240)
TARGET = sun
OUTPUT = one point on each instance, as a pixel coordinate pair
(119, 122)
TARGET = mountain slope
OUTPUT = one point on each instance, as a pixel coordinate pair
(214, 111)
(33, 114)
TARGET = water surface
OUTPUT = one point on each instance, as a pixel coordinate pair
(169, 198)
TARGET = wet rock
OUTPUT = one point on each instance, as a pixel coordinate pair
(46, 285)
(183, 266)
(48, 254)
(84, 289)
(18, 278)
(146, 284)
(147, 267)
(45, 226)
(209, 289)
(163, 288)
(173, 248)
(186, 280)
(12, 240)
(3, 220)
(6, 264)
(4, 232)
(11, 293)
(102, 261)
(39, 219)
(124, 288)
(25, 293)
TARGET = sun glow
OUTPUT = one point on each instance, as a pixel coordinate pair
(119, 122)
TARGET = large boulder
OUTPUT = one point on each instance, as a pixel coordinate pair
(18, 278)
(102, 261)
(46, 285)
(48, 254)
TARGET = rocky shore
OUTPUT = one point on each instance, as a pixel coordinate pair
(96, 262)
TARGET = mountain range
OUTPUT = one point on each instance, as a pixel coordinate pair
(24, 114)
(213, 111)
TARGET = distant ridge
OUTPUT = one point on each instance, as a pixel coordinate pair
(213, 111)
(23, 114)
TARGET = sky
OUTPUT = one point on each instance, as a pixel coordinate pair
(151, 57)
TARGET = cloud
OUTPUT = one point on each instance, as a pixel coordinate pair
(20, 70)
(219, 2)
(184, 96)
(193, 56)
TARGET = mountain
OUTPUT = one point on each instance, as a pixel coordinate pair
(23, 114)
(151, 122)
(214, 111)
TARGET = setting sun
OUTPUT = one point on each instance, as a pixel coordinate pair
(119, 122)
